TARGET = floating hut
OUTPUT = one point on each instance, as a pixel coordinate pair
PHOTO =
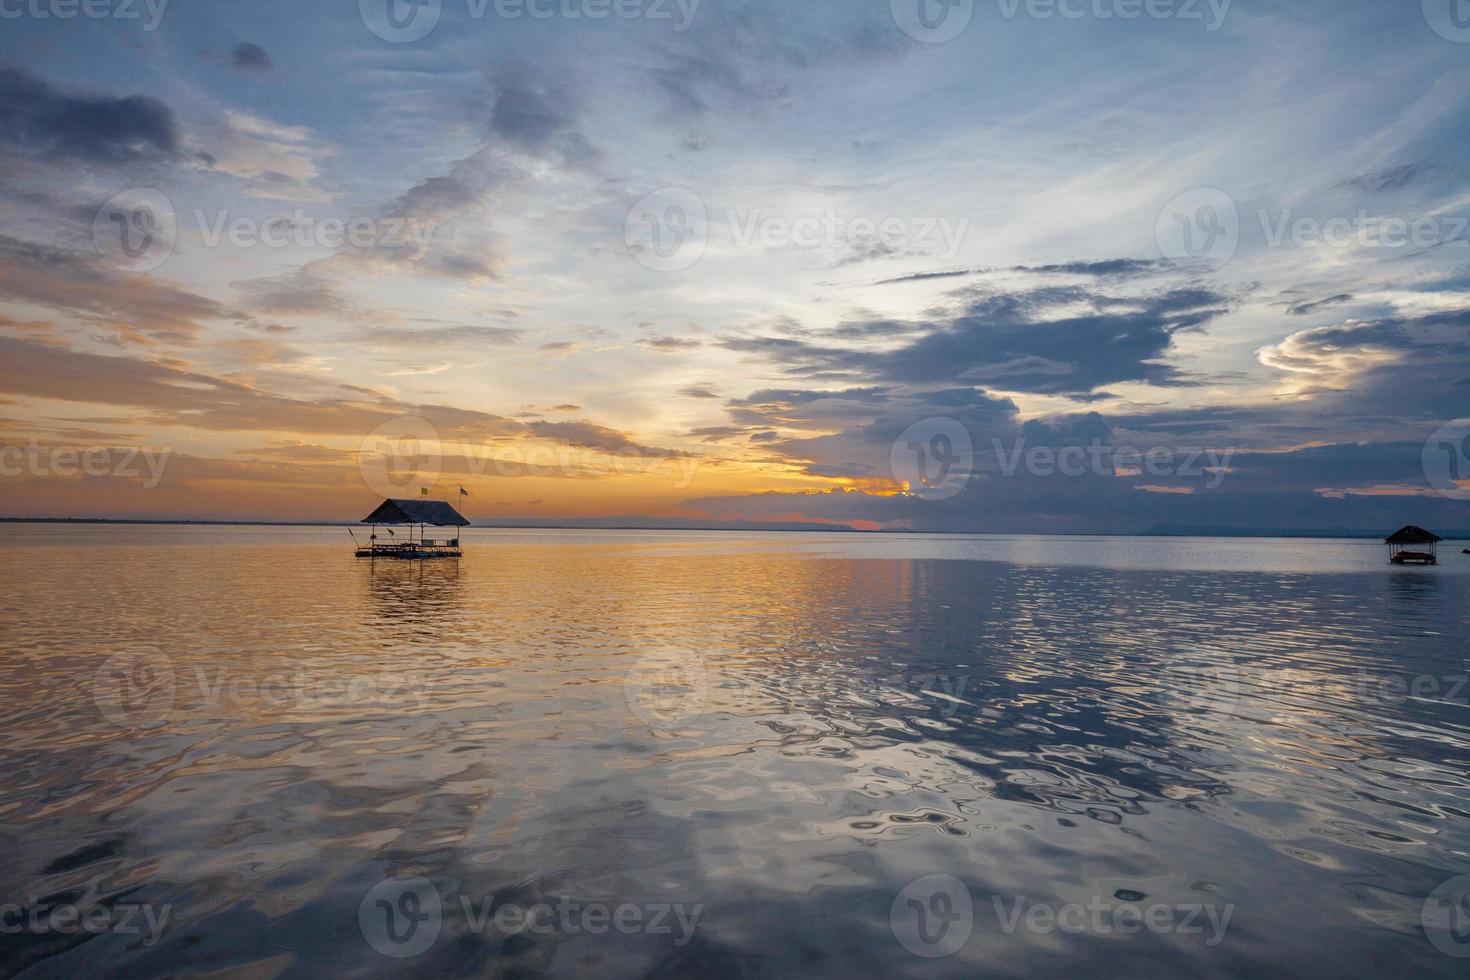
(1411, 545)
(417, 516)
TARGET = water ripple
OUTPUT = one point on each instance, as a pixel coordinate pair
(255, 730)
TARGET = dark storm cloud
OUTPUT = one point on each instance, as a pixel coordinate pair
(1094, 506)
(1406, 367)
(1012, 343)
(97, 129)
(1376, 379)
(1069, 339)
(1195, 421)
(867, 421)
(1287, 466)
(1361, 487)
(1332, 468)
(250, 57)
(1311, 347)
(1068, 430)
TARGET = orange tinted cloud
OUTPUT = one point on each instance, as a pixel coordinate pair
(86, 287)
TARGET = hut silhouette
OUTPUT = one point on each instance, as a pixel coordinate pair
(1407, 546)
(417, 515)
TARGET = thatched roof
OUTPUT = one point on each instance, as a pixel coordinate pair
(435, 512)
(1412, 534)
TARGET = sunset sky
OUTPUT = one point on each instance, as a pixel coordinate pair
(723, 260)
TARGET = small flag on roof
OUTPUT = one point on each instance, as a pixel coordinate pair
(463, 492)
(423, 491)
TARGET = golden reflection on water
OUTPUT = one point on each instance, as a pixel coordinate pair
(257, 728)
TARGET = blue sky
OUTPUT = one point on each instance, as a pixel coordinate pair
(742, 249)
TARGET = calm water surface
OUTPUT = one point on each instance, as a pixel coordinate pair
(240, 751)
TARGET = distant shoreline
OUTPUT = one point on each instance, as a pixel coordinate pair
(1320, 534)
